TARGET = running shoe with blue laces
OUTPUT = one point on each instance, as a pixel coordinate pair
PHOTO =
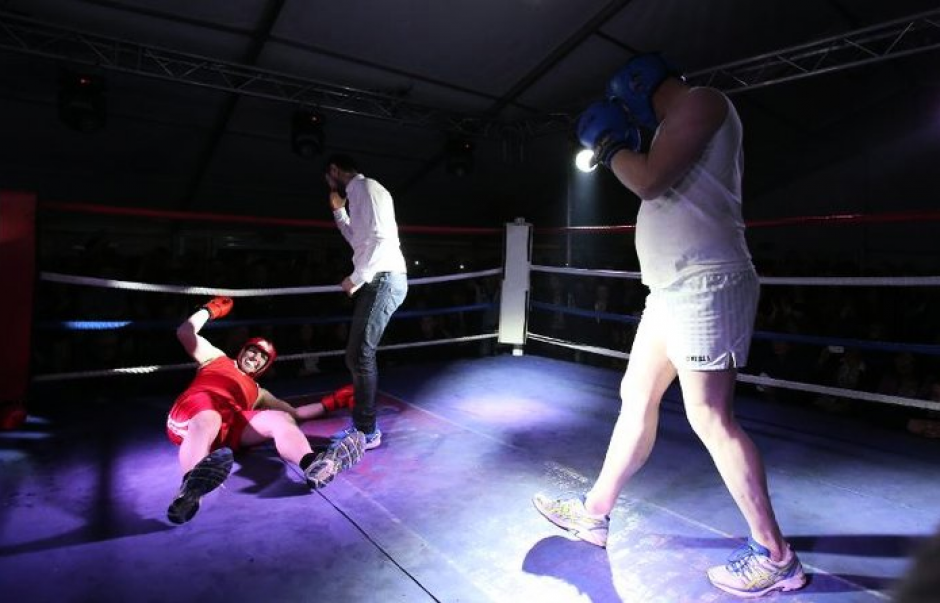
(751, 573)
(373, 439)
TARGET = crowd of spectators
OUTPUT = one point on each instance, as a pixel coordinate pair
(823, 335)
(831, 336)
(297, 323)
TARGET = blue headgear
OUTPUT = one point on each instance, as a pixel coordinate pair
(635, 83)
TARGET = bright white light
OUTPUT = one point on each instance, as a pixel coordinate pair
(584, 160)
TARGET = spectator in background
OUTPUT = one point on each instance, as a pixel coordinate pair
(927, 424)
(901, 378)
(845, 369)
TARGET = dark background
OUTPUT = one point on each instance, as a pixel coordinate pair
(506, 75)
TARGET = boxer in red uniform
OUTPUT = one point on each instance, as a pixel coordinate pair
(224, 409)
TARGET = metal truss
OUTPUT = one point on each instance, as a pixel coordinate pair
(902, 37)
(28, 36)
(911, 35)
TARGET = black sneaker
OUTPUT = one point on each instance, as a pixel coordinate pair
(208, 474)
(340, 456)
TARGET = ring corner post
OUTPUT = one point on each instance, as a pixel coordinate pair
(514, 294)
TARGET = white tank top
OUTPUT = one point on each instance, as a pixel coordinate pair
(696, 227)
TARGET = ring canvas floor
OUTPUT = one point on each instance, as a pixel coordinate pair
(442, 510)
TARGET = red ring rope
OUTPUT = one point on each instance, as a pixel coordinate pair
(912, 216)
(89, 208)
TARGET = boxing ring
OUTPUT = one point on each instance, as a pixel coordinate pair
(499, 378)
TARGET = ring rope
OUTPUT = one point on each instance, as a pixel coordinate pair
(145, 325)
(846, 281)
(144, 370)
(90, 208)
(579, 346)
(55, 277)
(825, 220)
(586, 272)
(839, 219)
(862, 344)
(839, 392)
(764, 380)
(537, 305)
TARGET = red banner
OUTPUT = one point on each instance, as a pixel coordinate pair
(17, 279)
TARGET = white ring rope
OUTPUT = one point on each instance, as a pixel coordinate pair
(55, 277)
(145, 370)
(745, 378)
(845, 281)
(579, 347)
(586, 272)
(764, 380)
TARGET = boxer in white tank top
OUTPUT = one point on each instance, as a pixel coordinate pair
(699, 315)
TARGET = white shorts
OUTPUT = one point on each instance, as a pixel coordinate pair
(706, 321)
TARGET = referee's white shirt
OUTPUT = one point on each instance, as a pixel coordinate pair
(371, 229)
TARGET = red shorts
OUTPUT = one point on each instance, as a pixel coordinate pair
(187, 406)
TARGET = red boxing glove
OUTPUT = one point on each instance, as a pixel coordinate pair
(341, 398)
(219, 307)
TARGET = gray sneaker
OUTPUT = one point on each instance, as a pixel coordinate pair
(569, 514)
(340, 456)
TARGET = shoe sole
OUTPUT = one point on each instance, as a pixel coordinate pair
(589, 536)
(320, 473)
(183, 508)
(341, 455)
(793, 583)
(208, 474)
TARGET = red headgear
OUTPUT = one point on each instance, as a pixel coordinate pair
(265, 346)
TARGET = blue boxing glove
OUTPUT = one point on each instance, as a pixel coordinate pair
(606, 127)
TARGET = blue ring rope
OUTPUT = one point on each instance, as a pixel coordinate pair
(144, 325)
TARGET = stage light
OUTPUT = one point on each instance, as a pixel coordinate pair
(306, 136)
(81, 101)
(584, 160)
(458, 156)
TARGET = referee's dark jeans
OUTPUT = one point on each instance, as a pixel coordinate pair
(375, 302)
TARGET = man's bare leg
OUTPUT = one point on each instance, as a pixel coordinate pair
(648, 375)
(291, 443)
(201, 432)
(708, 397)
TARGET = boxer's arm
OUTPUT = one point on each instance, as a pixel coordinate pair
(678, 144)
(268, 401)
(195, 344)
